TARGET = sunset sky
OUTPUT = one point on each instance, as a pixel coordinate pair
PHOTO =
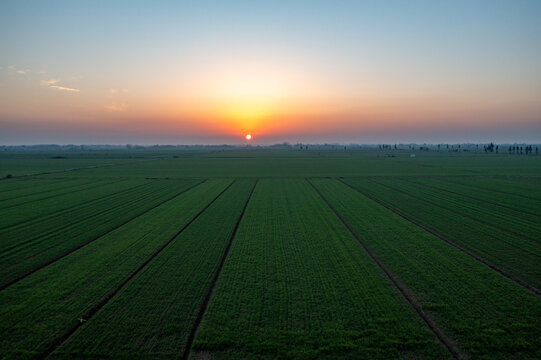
(209, 72)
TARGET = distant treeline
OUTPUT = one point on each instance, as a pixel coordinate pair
(518, 149)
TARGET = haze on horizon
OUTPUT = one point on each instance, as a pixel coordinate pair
(305, 71)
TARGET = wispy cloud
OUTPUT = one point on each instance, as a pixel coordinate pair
(113, 92)
(117, 107)
(15, 70)
(49, 82)
(62, 88)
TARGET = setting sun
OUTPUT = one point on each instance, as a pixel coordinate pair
(248, 137)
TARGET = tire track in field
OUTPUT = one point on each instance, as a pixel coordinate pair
(55, 344)
(70, 209)
(40, 192)
(212, 286)
(56, 230)
(475, 198)
(45, 240)
(66, 253)
(452, 243)
(405, 292)
(82, 218)
(58, 194)
(496, 190)
(519, 236)
(75, 169)
(57, 171)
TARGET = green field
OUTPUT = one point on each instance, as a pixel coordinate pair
(264, 254)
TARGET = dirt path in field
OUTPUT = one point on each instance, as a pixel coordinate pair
(212, 286)
(455, 351)
(54, 345)
(441, 237)
(67, 252)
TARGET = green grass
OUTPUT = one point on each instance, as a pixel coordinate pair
(487, 211)
(517, 256)
(153, 315)
(297, 285)
(517, 195)
(35, 243)
(66, 203)
(475, 305)
(32, 189)
(39, 309)
(95, 233)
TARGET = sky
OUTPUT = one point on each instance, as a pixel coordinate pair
(210, 72)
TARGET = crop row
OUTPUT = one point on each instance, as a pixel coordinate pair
(38, 244)
(296, 284)
(504, 219)
(56, 220)
(154, 313)
(61, 189)
(527, 207)
(42, 307)
(503, 186)
(84, 203)
(44, 163)
(485, 241)
(32, 189)
(23, 186)
(42, 209)
(488, 315)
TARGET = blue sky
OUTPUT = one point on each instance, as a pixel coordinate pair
(345, 71)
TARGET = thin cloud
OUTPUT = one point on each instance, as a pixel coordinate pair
(20, 72)
(114, 92)
(117, 107)
(49, 82)
(64, 88)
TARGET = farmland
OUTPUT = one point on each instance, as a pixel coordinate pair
(259, 253)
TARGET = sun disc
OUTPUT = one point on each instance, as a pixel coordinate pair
(248, 137)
